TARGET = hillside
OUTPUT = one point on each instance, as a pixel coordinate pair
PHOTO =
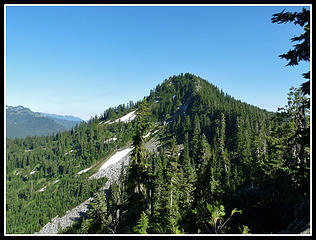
(22, 122)
(193, 149)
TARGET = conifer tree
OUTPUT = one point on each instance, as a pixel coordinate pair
(299, 102)
(172, 187)
(188, 177)
(195, 139)
(142, 226)
(137, 176)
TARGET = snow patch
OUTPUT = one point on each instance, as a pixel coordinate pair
(56, 181)
(116, 157)
(32, 172)
(53, 219)
(151, 133)
(42, 189)
(155, 131)
(110, 140)
(126, 118)
(147, 134)
(69, 152)
(83, 171)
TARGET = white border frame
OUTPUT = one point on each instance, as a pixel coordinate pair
(153, 5)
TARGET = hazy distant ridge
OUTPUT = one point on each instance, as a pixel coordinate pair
(22, 122)
(63, 117)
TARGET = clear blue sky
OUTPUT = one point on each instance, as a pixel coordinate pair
(75, 60)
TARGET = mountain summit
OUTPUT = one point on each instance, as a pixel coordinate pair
(188, 158)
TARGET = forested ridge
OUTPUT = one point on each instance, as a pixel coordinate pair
(222, 165)
(51, 164)
(220, 159)
(215, 151)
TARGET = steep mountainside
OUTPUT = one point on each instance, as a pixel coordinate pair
(22, 122)
(213, 151)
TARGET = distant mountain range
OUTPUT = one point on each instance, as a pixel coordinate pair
(22, 122)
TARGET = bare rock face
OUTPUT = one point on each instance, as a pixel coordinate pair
(65, 221)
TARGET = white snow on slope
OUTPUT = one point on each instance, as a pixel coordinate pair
(147, 134)
(150, 133)
(110, 140)
(53, 219)
(42, 189)
(126, 118)
(112, 167)
(116, 157)
(156, 131)
(85, 170)
(69, 152)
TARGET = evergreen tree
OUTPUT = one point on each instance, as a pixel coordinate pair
(137, 175)
(299, 103)
(142, 226)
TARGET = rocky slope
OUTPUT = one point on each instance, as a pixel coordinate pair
(112, 172)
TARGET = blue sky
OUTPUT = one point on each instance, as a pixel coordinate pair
(81, 60)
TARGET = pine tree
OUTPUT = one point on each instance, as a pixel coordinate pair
(299, 102)
(137, 175)
(195, 139)
(98, 218)
(143, 224)
(172, 187)
(188, 178)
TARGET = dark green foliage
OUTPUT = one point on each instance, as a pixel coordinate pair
(301, 51)
(35, 162)
(99, 219)
(142, 225)
(214, 151)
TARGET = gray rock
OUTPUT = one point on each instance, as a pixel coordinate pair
(112, 172)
